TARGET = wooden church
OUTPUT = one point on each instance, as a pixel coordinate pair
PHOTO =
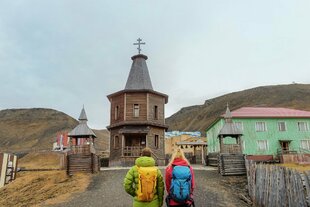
(137, 118)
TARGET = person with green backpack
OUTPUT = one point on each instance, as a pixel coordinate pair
(144, 182)
(180, 181)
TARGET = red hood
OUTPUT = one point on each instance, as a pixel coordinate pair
(179, 161)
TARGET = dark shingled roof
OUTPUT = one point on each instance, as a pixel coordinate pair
(83, 115)
(229, 127)
(139, 77)
(82, 129)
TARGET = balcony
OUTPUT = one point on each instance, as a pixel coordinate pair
(132, 151)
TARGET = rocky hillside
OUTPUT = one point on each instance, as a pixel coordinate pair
(25, 129)
(199, 117)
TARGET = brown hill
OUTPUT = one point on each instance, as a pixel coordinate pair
(199, 117)
(27, 129)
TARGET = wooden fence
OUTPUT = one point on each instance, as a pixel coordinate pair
(271, 185)
(8, 166)
(212, 159)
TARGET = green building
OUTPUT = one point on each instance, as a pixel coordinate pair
(265, 131)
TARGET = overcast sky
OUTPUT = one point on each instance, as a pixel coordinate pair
(61, 54)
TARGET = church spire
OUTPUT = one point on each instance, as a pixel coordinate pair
(139, 78)
(228, 116)
(83, 116)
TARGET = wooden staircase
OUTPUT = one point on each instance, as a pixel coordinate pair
(231, 164)
(82, 161)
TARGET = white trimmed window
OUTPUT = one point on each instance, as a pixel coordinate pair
(302, 126)
(282, 126)
(260, 126)
(262, 145)
(239, 125)
(305, 144)
(136, 110)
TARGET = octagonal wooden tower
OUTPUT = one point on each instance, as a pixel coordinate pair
(137, 118)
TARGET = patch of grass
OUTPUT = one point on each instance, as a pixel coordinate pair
(295, 166)
(46, 160)
(42, 188)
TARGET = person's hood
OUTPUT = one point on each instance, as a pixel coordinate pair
(145, 162)
(180, 162)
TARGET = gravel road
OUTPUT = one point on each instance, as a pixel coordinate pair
(212, 189)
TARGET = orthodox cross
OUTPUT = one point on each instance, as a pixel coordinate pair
(139, 43)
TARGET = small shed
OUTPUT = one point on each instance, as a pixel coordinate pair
(196, 144)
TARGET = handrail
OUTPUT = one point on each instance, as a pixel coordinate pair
(156, 158)
(282, 151)
(132, 151)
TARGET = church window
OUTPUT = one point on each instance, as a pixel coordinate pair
(156, 141)
(136, 110)
(155, 112)
(116, 115)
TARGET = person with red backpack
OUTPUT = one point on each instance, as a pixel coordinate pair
(180, 181)
(144, 182)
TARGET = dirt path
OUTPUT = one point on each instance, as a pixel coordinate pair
(211, 190)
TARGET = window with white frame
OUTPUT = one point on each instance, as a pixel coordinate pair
(262, 145)
(239, 125)
(302, 126)
(260, 126)
(282, 126)
(305, 144)
(136, 109)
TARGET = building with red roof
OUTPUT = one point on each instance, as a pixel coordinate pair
(265, 131)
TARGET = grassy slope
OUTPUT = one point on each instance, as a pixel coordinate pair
(25, 129)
